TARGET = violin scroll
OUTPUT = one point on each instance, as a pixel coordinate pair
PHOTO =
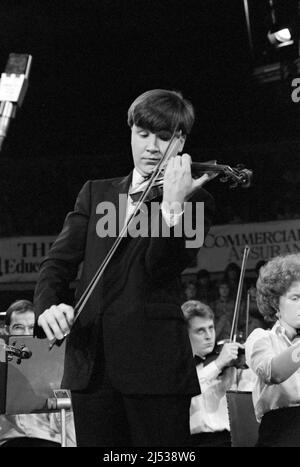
(237, 176)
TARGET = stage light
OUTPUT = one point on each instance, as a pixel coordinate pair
(280, 33)
(280, 36)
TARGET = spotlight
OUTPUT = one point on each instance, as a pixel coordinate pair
(280, 36)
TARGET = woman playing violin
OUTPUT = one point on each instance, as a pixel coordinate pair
(274, 355)
(128, 360)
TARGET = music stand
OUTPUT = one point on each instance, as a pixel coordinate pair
(30, 385)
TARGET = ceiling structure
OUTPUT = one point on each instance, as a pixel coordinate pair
(92, 58)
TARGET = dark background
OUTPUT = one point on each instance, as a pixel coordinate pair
(91, 58)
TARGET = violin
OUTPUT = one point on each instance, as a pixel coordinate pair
(237, 176)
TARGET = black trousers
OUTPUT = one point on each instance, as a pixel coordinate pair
(25, 442)
(219, 439)
(280, 428)
(105, 417)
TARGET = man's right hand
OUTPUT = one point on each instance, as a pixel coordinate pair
(228, 354)
(56, 321)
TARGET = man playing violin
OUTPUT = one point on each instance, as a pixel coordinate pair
(129, 362)
(209, 422)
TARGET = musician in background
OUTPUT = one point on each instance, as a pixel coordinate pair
(31, 430)
(206, 292)
(256, 319)
(231, 276)
(274, 355)
(223, 308)
(189, 291)
(209, 422)
(128, 357)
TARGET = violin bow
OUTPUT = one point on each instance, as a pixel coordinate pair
(234, 326)
(247, 315)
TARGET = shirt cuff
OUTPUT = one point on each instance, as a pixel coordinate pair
(171, 218)
(208, 372)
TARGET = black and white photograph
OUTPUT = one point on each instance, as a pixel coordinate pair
(149, 226)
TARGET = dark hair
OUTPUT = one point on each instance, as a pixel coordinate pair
(231, 267)
(194, 308)
(223, 282)
(187, 284)
(203, 273)
(19, 306)
(162, 110)
(275, 278)
(259, 264)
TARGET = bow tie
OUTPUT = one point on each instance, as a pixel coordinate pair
(198, 359)
(207, 359)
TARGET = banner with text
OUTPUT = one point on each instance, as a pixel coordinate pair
(225, 244)
(20, 257)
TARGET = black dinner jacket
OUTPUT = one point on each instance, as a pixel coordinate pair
(133, 321)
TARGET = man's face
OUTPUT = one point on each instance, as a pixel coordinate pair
(22, 323)
(203, 281)
(224, 291)
(202, 335)
(252, 292)
(232, 274)
(148, 148)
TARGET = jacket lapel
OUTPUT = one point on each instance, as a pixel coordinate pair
(117, 195)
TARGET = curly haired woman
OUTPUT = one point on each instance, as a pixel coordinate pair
(274, 355)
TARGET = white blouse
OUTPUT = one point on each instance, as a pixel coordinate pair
(261, 346)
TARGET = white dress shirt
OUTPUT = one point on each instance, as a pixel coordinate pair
(43, 425)
(208, 411)
(261, 346)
